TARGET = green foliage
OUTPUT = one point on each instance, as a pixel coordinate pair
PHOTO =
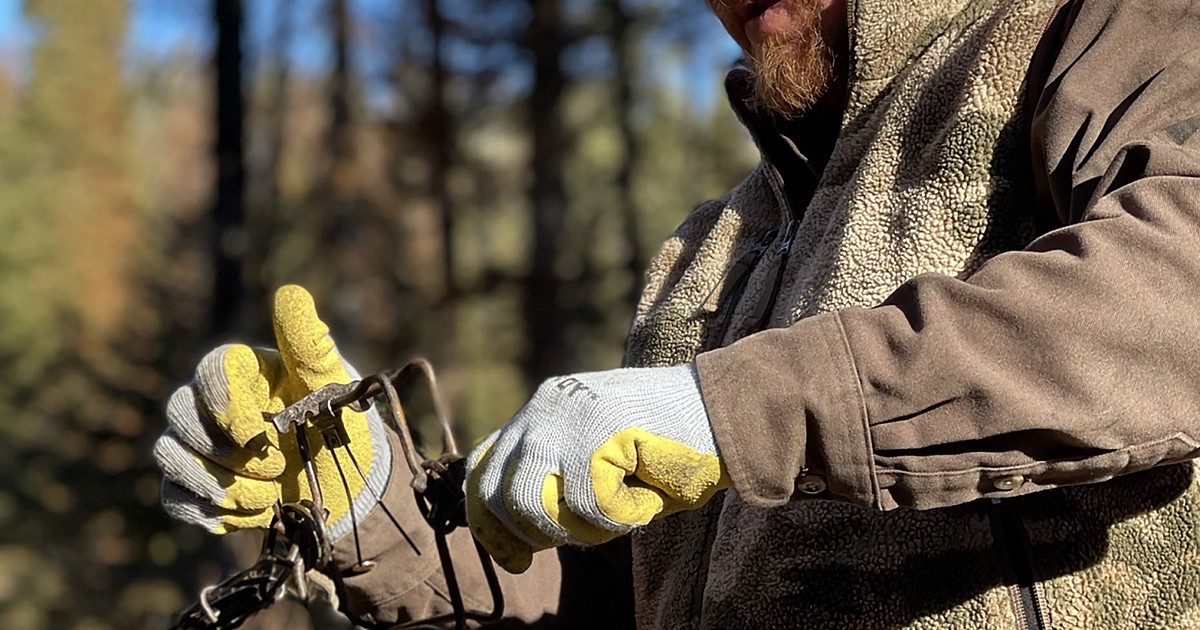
(105, 271)
(83, 541)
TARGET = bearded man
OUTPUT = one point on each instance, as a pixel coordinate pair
(935, 363)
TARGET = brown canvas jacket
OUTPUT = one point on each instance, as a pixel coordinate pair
(971, 359)
(980, 376)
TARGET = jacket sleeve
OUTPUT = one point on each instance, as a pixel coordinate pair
(558, 591)
(1072, 361)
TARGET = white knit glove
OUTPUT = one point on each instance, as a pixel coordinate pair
(591, 457)
(224, 465)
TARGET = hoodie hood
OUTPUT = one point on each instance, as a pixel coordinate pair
(884, 37)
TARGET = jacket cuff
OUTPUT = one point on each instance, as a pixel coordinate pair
(787, 411)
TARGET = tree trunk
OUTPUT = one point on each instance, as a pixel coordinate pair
(228, 215)
(262, 217)
(340, 196)
(623, 46)
(545, 317)
(439, 125)
(343, 171)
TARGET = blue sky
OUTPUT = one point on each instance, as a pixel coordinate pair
(160, 28)
(11, 32)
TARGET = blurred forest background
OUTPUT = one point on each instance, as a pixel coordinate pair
(479, 181)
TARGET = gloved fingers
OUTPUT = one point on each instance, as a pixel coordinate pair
(525, 493)
(189, 508)
(308, 352)
(686, 477)
(610, 495)
(191, 422)
(535, 495)
(512, 553)
(238, 384)
(638, 476)
(579, 529)
(208, 480)
(496, 470)
(476, 457)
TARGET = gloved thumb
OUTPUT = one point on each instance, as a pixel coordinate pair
(307, 350)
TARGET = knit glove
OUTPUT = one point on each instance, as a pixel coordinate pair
(223, 462)
(591, 457)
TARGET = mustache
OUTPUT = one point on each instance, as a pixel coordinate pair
(742, 9)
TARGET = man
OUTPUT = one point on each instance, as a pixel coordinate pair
(934, 363)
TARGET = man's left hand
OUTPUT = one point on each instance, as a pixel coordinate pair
(591, 457)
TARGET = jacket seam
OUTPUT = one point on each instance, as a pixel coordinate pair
(1180, 436)
(864, 417)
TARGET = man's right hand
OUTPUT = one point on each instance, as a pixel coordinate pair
(224, 463)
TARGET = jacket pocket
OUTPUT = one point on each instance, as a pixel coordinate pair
(1172, 449)
(905, 484)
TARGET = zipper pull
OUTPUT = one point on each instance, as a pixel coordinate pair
(737, 273)
(774, 281)
(789, 237)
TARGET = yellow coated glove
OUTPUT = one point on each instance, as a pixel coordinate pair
(590, 458)
(224, 463)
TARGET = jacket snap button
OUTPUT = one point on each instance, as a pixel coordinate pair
(1008, 484)
(811, 484)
